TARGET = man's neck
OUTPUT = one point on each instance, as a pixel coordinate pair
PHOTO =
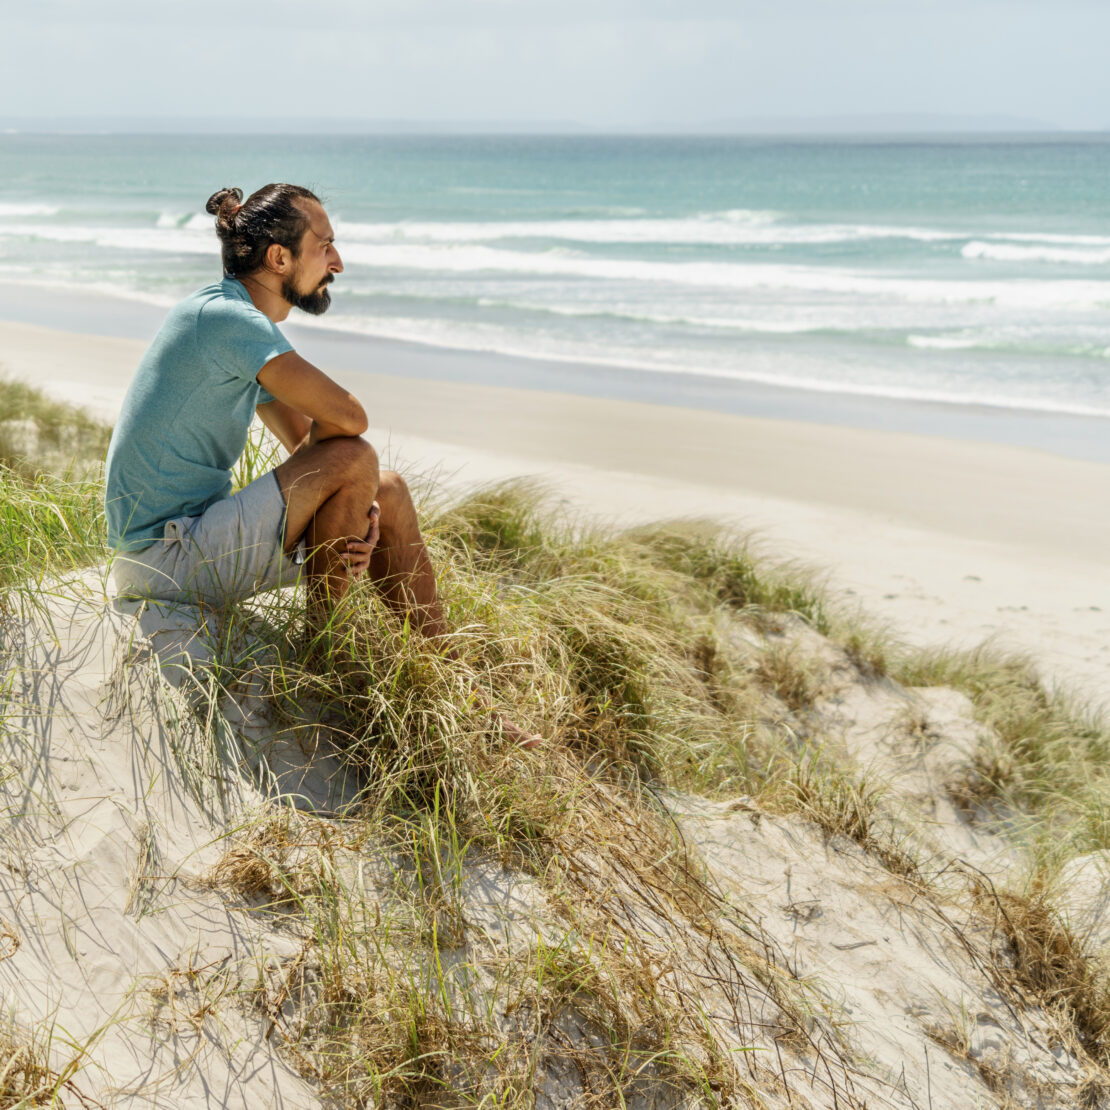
(265, 291)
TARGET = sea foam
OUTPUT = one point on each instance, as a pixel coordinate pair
(8, 210)
(1011, 252)
(727, 275)
(708, 229)
(477, 337)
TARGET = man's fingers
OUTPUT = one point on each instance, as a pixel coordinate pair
(375, 514)
(356, 558)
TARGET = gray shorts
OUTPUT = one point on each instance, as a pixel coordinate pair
(229, 552)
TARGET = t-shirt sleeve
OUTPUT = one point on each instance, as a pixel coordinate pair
(240, 340)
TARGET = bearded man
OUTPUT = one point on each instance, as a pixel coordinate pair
(179, 533)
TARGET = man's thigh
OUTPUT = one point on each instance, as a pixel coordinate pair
(314, 474)
(231, 551)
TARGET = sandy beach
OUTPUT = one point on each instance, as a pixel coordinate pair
(948, 541)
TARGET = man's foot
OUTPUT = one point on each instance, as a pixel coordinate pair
(519, 736)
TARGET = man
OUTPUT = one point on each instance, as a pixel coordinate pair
(179, 533)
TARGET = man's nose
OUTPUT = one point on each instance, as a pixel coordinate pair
(335, 266)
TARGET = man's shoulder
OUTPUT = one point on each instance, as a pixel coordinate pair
(207, 302)
(225, 309)
(226, 299)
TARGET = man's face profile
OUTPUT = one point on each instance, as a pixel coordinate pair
(315, 266)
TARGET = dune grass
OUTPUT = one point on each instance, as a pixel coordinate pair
(27, 1079)
(51, 491)
(49, 524)
(38, 433)
(607, 646)
(1044, 761)
(620, 649)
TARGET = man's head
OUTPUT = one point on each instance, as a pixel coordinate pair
(281, 230)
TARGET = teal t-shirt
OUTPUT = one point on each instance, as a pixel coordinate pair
(187, 413)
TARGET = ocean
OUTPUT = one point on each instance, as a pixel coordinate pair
(964, 271)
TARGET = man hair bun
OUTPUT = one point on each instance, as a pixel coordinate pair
(217, 200)
(272, 214)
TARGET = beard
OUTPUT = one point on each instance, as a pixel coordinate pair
(315, 303)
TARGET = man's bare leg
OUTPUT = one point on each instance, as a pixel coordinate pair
(399, 564)
(329, 490)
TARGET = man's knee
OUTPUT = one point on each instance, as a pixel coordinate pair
(354, 459)
(392, 488)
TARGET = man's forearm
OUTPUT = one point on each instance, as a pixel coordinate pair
(320, 430)
(315, 434)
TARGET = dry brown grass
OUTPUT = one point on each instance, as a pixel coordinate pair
(27, 1080)
(277, 861)
(841, 802)
(783, 671)
(145, 878)
(1037, 960)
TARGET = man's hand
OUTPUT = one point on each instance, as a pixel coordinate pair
(357, 555)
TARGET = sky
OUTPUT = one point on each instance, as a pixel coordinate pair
(605, 63)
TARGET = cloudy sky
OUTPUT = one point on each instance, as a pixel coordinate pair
(596, 62)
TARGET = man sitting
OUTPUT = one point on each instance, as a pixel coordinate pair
(219, 357)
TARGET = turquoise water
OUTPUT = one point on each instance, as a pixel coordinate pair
(963, 271)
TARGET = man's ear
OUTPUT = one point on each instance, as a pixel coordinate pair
(277, 258)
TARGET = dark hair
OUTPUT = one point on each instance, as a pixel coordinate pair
(269, 215)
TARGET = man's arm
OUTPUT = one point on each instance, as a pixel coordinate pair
(309, 405)
(292, 428)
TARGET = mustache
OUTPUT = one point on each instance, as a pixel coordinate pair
(328, 280)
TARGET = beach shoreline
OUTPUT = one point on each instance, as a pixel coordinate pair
(93, 312)
(947, 541)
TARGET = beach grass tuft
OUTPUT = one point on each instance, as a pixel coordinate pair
(1044, 756)
(49, 524)
(27, 1079)
(51, 491)
(38, 433)
(1038, 957)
